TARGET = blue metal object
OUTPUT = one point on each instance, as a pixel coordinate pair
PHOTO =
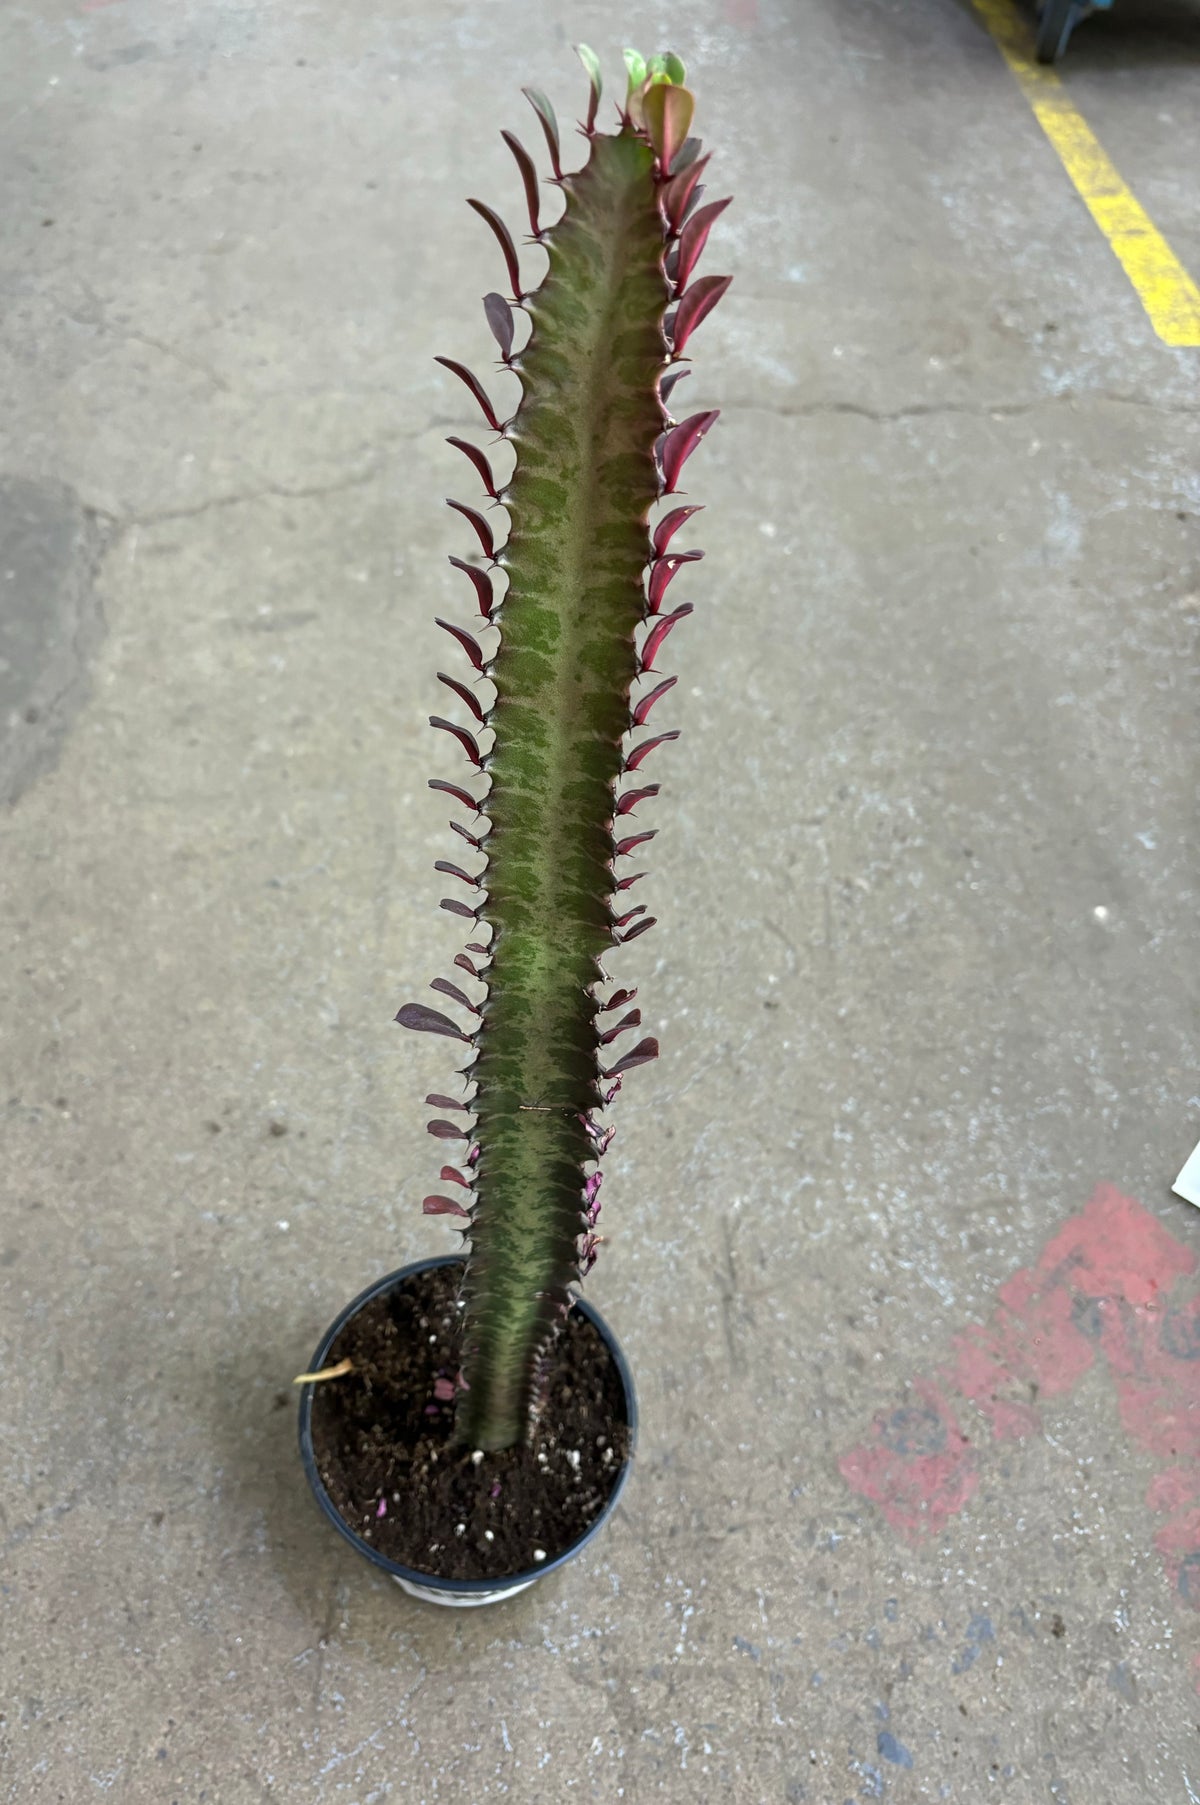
(1057, 19)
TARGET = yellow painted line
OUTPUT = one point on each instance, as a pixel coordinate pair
(1163, 286)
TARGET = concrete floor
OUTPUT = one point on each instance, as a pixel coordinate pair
(926, 974)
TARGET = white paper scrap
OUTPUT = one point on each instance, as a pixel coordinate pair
(1187, 1185)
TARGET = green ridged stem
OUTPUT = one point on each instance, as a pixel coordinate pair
(579, 504)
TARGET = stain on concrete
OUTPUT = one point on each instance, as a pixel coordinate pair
(51, 623)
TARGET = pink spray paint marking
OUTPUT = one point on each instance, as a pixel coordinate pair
(1105, 1286)
(918, 1467)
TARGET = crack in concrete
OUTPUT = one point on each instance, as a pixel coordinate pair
(922, 410)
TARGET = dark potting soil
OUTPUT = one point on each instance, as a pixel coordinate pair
(383, 1439)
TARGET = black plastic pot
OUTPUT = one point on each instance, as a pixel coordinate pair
(455, 1592)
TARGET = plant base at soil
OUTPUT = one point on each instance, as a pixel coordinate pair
(385, 1450)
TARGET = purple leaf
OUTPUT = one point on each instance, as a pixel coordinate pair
(627, 883)
(444, 1206)
(438, 1102)
(667, 383)
(631, 798)
(446, 1131)
(504, 239)
(445, 988)
(639, 927)
(455, 790)
(466, 740)
(644, 1051)
(647, 746)
(549, 123)
(500, 320)
(683, 439)
(624, 847)
(464, 964)
(452, 906)
(621, 997)
(695, 306)
(632, 1020)
(443, 1390)
(661, 573)
(476, 387)
(652, 643)
(456, 827)
(469, 645)
(473, 946)
(483, 586)
(425, 1020)
(620, 921)
(693, 239)
(529, 177)
(464, 695)
(450, 1175)
(479, 522)
(664, 532)
(674, 197)
(642, 709)
(480, 462)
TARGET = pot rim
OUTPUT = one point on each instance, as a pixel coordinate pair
(414, 1575)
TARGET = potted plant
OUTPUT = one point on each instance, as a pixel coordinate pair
(469, 1423)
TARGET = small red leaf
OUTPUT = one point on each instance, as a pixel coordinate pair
(436, 1102)
(642, 709)
(450, 1175)
(456, 827)
(623, 848)
(453, 907)
(499, 318)
(549, 123)
(693, 239)
(480, 462)
(620, 921)
(455, 790)
(674, 197)
(476, 387)
(627, 883)
(664, 532)
(444, 1206)
(469, 645)
(464, 695)
(644, 1051)
(632, 1020)
(504, 239)
(425, 1020)
(479, 521)
(647, 746)
(529, 177)
(620, 997)
(446, 1131)
(466, 740)
(695, 306)
(484, 593)
(652, 643)
(639, 927)
(667, 383)
(662, 572)
(683, 439)
(449, 870)
(631, 798)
